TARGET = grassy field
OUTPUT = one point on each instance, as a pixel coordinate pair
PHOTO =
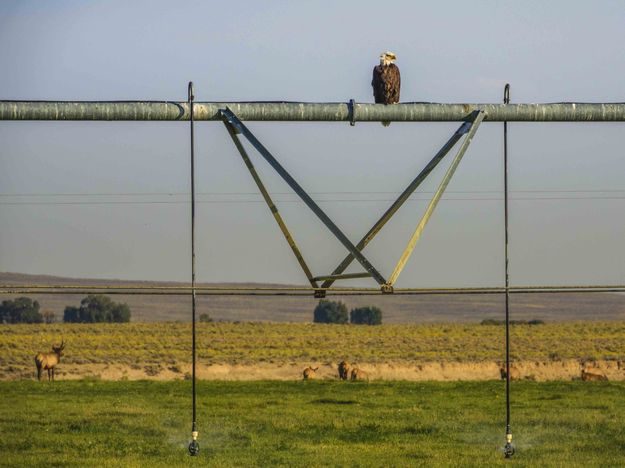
(168, 344)
(323, 423)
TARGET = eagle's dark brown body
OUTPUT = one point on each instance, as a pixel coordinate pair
(386, 83)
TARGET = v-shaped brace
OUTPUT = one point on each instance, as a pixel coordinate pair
(236, 127)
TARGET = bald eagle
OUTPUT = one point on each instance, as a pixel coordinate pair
(386, 81)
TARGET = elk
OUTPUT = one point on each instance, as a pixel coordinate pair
(48, 361)
(344, 370)
(359, 374)
(514, 373)
(309, 373)
(592, 376)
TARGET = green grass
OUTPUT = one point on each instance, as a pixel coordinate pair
(247, 343)
(318, 423)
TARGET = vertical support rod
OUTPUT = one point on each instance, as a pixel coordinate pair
(509, 448)
(194, 448)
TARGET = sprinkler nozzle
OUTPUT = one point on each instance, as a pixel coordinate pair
(194, 447)
(508, 449)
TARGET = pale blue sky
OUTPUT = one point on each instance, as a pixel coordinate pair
(92, 180)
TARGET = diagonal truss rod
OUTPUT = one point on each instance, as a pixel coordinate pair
(435, 199)
(377, 227)
(271, 205)
(235, 127)
(230, 119)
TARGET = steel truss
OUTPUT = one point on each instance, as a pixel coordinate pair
(235, 128)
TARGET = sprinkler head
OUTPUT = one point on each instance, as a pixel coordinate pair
(508, 449)
(194, 448)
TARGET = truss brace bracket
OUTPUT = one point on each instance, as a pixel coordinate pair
(352, 112)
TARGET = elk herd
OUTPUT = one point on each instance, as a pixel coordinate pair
(589, 374)
(346, 372)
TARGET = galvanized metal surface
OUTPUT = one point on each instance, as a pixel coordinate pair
(185, 288)
(479, 116)
(309, 111)
(342, 277)
(295, 291)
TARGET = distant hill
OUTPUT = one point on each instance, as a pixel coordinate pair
(396, 309)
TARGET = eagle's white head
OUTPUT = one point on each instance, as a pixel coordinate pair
(386, 58)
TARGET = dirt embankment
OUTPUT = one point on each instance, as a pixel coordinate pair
(443, 371)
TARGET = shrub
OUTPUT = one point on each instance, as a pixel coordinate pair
(97, 308)
(21, 310)
(512, 322)
(536, 322)
(71, 314)
(366, 316)
(330, 312)
(205, 318)
(491, 322)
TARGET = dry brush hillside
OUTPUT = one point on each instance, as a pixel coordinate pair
(280, 351)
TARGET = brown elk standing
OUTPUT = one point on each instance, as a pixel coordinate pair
(590, 376)
(514, 373)
(359, 374)
(48, 361)
(344, 370)
(309, 373)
